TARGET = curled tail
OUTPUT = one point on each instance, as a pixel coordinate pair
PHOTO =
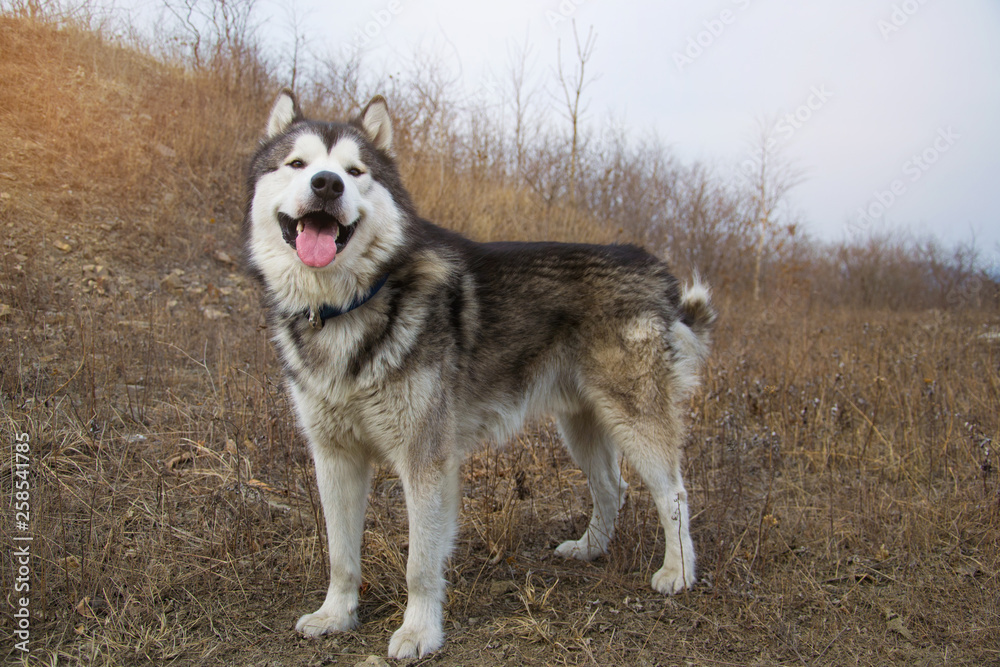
(696, 310)
(690, 334)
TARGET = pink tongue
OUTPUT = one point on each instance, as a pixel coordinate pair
(316, 247)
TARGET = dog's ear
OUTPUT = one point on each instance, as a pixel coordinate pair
(284, 112)
(377, 124)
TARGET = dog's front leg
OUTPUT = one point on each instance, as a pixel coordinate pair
(432, 495)
(343, 481)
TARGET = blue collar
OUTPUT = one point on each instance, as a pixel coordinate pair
(326, 311)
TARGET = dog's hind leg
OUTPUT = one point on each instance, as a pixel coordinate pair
(594, 452)
(432, 499)
(343, 481)
(653, 448)
(637, 387)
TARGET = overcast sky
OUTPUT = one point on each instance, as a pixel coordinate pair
(897, 101)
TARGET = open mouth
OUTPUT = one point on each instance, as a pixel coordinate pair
(317, 236)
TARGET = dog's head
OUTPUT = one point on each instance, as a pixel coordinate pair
(324, 198)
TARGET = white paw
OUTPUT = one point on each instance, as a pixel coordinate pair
(415, 641)
(582, 549)
(673, 579)
(323, 621)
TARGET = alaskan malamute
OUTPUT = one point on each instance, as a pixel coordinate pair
(407, 344)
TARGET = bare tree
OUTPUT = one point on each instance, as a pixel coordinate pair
(572, 85)
(336, 84)
(296, 21)
(220, 34)
(768, 177)
(521, 96)
(189, 19)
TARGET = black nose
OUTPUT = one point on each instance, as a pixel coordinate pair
(327, 185)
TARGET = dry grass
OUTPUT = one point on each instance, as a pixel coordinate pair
(841, 464)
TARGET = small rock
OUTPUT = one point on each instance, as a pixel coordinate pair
(165, 151)
(214, 314)
(501, 588)
(372, 661)
(211, 296)
(172, 283)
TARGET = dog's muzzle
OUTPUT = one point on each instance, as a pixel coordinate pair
(318, 235)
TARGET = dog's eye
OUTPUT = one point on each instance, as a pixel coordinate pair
(354, 171)
(297, 164)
